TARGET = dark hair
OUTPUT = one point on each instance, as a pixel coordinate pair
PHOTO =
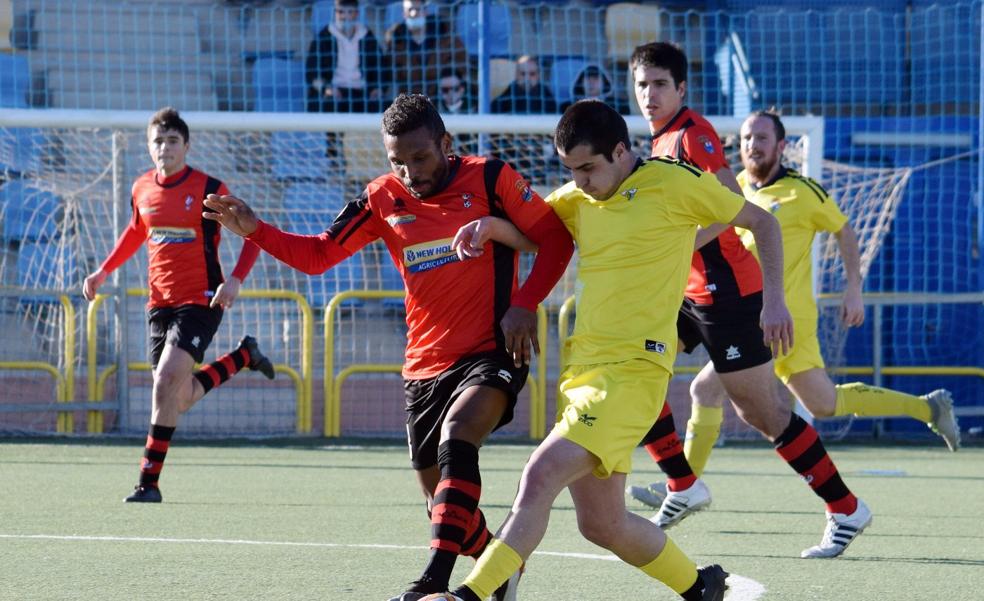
(347, 3)
(663, 55)
(594, 123)
(776, 122)
(410, 112)
(168, 118)
(450, 72)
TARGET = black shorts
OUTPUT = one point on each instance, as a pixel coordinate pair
(730, 333)
(188, 327)
(428, 401)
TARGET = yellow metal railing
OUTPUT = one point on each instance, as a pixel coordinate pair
(64, 383)
(333, 383)
(304, 381)
(563, 325)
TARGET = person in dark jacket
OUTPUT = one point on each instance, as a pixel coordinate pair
(345, 65)
(593, 82)
(421, 46)
(526, 95)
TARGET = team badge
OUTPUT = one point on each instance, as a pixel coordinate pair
(655, 346)
(630, 193)
(188, 202)
(774, 207)
(706, 143)
(524, 190)
(466, 199)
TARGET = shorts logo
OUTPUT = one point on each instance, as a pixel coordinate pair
(196, 341)
(711, 287)
(587, 420)
(505, 375)
(732, 353)
(654, 346)
(171, 235)
(429, 255)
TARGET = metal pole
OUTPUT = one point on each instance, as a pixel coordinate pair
(119, 281)
(484, 100)
(878, 428)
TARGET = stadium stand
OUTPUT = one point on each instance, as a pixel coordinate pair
(279, 85)
(15, 81)
(499, 28)
(30, 214)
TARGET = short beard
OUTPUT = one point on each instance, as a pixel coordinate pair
(760, 171)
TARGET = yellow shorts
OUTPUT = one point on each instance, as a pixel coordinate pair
(805, 354)
(609, 407)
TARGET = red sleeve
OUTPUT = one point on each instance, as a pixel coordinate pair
(247, 257)
(702, 147)
(128, 243)
(311, 254)
(555, 250)
(521, 203)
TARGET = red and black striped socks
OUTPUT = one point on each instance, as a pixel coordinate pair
(800, 445)
(664, 446)
(457, 526)
(158, 440)
(219, 371)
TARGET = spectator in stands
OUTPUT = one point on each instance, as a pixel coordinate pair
(345, 65)
(594, 83)
(419, 47)
(526, 95)
(453, 95)
(187, 291)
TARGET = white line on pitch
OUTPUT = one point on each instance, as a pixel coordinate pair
(740, 588)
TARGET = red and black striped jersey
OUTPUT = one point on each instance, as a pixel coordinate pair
(183, 247)
(723, 268)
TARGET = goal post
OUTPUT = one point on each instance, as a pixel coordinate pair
(297, 170)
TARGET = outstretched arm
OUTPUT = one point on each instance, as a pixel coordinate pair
(310, 254)
(852, 308)
(777, 323)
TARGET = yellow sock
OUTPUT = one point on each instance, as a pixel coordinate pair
(673, 568)
(871, 401)
(703, 430)
(495, 566)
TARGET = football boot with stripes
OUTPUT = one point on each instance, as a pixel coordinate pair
(841, 530)
(943, 421)
(679, 504)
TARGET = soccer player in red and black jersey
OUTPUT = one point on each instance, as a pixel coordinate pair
(723, 303)
(187, 291)
(471, 327)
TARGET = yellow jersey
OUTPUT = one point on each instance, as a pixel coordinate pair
(802, 208)
(634, 252)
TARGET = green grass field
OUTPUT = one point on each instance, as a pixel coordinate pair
(300, 522)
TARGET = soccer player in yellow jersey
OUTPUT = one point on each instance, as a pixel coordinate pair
(634, 222)
(803, 208)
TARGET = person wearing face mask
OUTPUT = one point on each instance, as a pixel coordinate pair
(345, 65)
(421, 46)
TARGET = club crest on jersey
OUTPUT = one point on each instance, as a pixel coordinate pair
(189, 200)
(525, 192)
(774, 207)
(429, 255)
(706, 143)
(466, 199)
(171, 235)
(630, 193)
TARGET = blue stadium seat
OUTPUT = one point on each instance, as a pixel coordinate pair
(297, 155)
(563, 72)
(29, 214)
(390, 280)
(945, 50)
(499, 28)
(328, 198)
(20, 149)
(279, 85)
(44, 265)
(347, 275)
(15, 81)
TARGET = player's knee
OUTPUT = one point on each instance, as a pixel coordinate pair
(166, 381)
(705, 394)
(601, 530)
